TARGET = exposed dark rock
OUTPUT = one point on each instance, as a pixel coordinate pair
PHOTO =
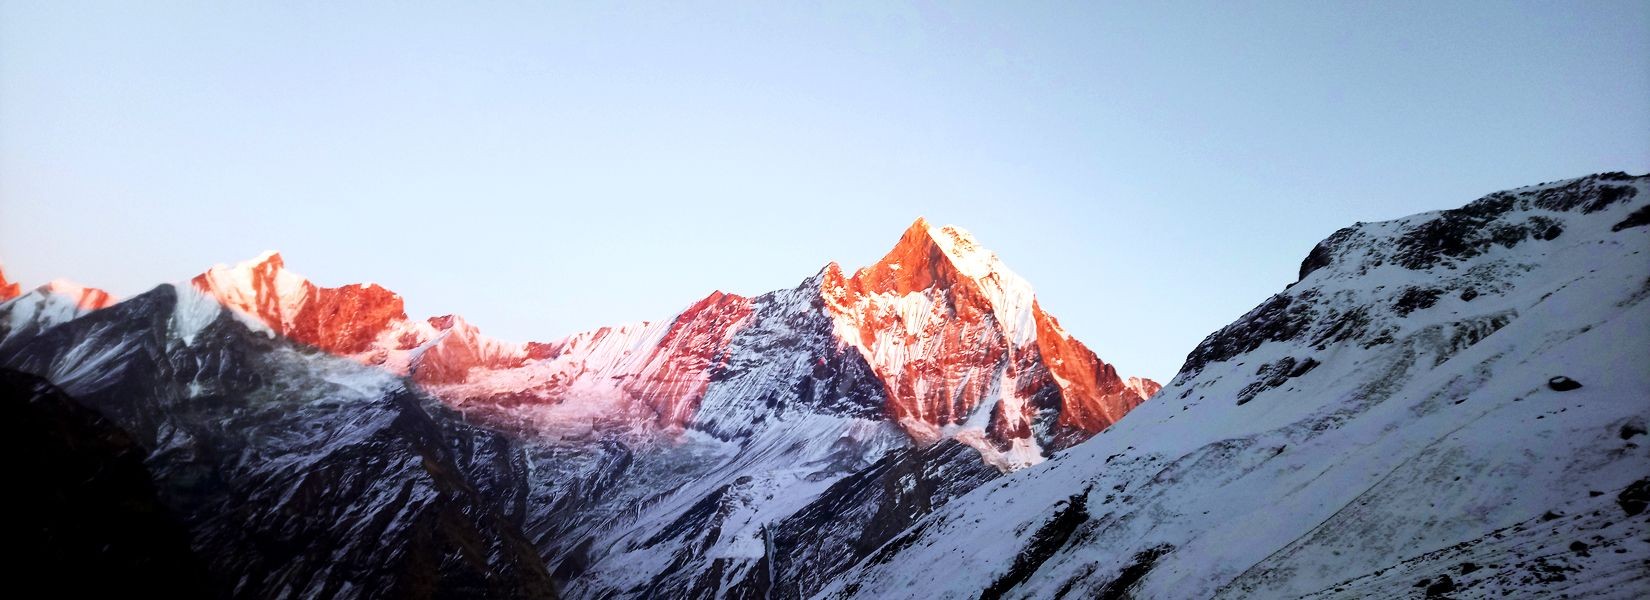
(84, 504)
(1471, 230)
(291, 484)
(1279, 318)
(1324, 253)
(1563, 384)
(1549, 232)
(1274, 375)
(1048, 539)
(1444, 585)
(1637, 218)
(1635, 497)
(1118, 588)
(1414, 299)
(863, 511)
(1458, 233)
(1590, 194)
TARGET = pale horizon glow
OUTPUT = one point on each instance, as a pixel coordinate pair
(1153, 171)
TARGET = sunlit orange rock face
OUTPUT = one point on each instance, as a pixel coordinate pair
(342, 320)
(965, 351)
(927, 330)
(347, 319)
(957, 340)
(1093, 395)
(673, 378)
(362, 321)
(8, 290)
(85, 299)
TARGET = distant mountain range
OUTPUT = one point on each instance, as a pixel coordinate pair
(1450, 404)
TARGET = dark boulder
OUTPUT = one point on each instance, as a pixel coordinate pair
(1635, 497)
(1563, 384)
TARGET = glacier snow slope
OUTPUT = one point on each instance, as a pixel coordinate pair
(1382, 428)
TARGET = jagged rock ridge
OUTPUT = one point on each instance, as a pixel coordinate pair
(957, 339)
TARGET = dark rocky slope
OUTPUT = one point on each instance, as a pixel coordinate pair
(296, 474)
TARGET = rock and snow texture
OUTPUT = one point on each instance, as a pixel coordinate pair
(691, 456)
(957, 340)
(1403, 421)
(25, 315)
(362, 321)
(296, 473)
(965, 352)
(1388, 426)
(671, 454)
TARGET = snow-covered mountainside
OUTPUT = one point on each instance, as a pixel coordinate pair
(294, 472)
(956, 340)
(693, 456)
(671, 455)
(26, 315)
(1450, 404)
(363, 321)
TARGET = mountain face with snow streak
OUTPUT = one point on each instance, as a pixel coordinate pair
(1451, 404)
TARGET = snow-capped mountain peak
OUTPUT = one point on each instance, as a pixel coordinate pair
(260, 286)
(47, 306)
(1010, 295)
(84, 298)
(965, 351)
(343, 320)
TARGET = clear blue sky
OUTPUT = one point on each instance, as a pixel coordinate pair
(1154, 171)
